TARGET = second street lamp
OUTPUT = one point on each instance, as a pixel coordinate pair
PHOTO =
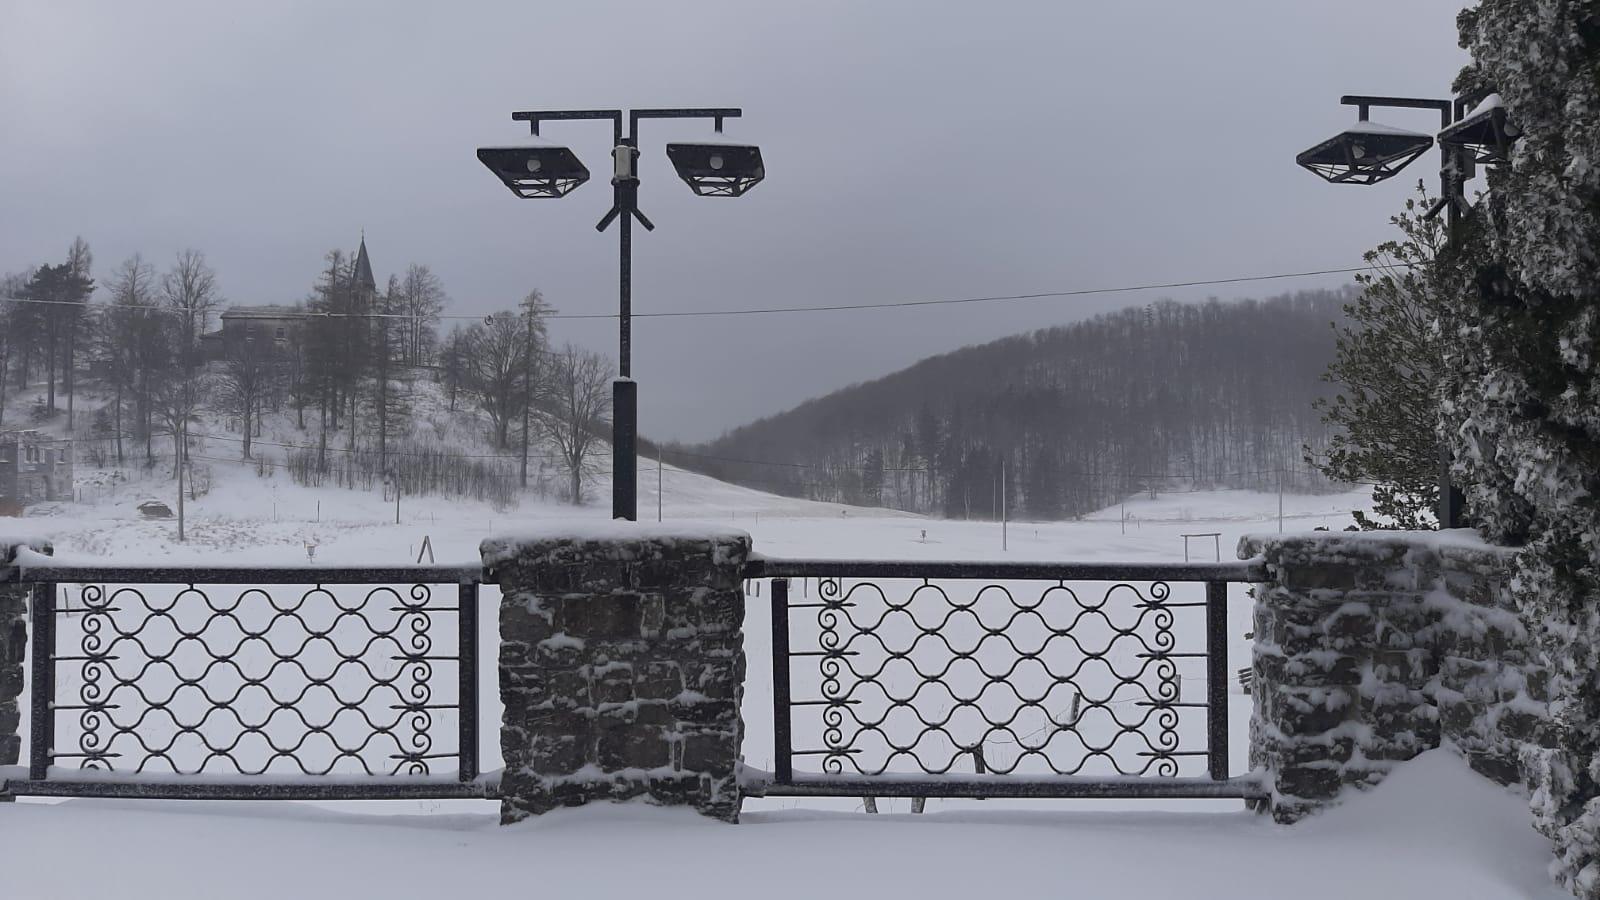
(710, 170)
(718, 170)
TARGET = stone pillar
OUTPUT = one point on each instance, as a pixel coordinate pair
(1373, 648)
(13, 646)
(621, 666)
(1338, 689)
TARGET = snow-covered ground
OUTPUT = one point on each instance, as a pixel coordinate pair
(1434, 829)
(1461, 836)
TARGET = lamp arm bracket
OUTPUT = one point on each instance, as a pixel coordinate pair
(1394, 102)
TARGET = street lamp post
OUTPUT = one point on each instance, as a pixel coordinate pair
(710, 170)
(1368, 153)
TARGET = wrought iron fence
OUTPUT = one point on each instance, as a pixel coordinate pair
(312, 683)
(889, 679)
(999, 679)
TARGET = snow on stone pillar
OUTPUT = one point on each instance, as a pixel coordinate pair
(13, 645)
(1372, 648)
(621, 666)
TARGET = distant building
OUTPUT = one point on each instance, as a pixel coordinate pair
(34, 468)
(272, 331)
(269, 331)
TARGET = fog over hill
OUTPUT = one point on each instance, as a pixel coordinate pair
(1064, 420)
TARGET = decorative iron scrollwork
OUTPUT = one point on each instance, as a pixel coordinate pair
(309, 680)
(914, 676)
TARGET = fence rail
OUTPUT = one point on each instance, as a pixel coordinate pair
(916, 679)
(252, 683)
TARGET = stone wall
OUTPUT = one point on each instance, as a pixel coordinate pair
(13, 647)
(621, 667)
(1371, 648)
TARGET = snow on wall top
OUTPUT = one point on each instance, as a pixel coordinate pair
(506, 545)
(17, 531)
(1362, 542)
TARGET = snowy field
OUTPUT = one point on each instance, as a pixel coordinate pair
(1463, 836)
(1433, 830)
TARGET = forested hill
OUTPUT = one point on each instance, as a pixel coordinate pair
(1158, 398)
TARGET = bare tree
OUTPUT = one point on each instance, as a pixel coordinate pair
(178, 401)
(133, 341)
(421, 298)
(247, 379)
(578, 411)
(495, 361)
(190, 288)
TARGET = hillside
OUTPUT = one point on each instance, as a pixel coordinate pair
(1069, 419)
(260, 509)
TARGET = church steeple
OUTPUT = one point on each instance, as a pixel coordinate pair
(364, 279)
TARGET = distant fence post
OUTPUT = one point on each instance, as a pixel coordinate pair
(621, 666)
(13, 647)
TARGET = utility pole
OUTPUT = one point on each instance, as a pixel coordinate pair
(392, 479)
(183, 444)
(1003, 523)
(658, 482)
(1280, 501)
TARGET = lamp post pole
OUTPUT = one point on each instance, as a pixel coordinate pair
(625, 206)
(625, 391)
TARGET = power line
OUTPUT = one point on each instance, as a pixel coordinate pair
(999, 298)
(776, 310)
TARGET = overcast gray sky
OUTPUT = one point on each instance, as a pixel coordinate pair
(915, 150)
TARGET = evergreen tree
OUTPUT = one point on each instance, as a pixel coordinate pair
(453, 363)
(79, 263)
(391, 337)
(1388, 368)
(1523, 408)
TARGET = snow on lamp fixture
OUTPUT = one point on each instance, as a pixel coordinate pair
(1484, 132)
(1365, 153)
(718, 170)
